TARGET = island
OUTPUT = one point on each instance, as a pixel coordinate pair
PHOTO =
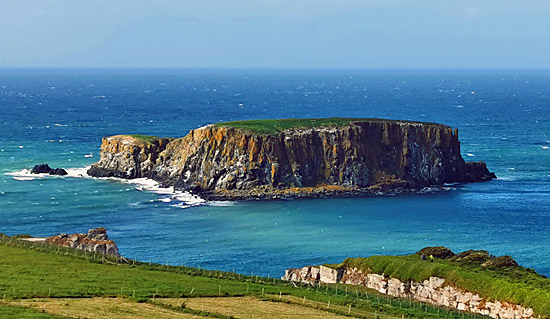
(290, 158)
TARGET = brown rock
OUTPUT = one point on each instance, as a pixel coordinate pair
(95, 240)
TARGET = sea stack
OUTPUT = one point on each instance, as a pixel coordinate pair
(294, 158)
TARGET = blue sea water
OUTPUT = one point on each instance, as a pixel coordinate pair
(60, 116)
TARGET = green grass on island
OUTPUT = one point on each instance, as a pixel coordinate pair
(147, 139)
(270, 127)
(516, 285)
(30, 271)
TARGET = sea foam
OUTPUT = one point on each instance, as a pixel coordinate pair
(166, 194)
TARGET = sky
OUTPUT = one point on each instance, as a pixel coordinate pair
(386, 34)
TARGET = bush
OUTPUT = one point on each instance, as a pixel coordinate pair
(22, 236)
(438, 252)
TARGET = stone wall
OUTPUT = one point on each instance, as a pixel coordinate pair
(433, 291)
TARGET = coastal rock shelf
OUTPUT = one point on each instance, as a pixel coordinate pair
(294, 158)
(96, 241)
(433, 290)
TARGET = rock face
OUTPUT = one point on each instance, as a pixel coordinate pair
(46, 169)
(433, 291)
(96, 240)
(367, 156)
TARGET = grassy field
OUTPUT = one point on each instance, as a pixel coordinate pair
(518, 285)
(43, 276)
(270, 127)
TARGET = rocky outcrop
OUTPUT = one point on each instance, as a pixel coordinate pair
(362, 157)
(96, 240)
(126, 156)
(434, 290)
(46, 169)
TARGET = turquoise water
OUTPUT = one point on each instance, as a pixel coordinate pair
(59, 117)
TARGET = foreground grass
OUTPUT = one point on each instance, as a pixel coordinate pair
(519, 285)
(105, 308)
(30, 271)
(250, 307)
(270, 127)
(11, 311)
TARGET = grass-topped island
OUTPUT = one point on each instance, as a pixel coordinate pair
(266, 159)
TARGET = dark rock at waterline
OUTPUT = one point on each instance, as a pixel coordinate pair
(46, 169)
(476, 171)
(58, 171)
(41, 169)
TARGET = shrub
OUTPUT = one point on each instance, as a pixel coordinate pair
(438, 252)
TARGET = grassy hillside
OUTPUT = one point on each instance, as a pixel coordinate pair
(516, 285)
(270, 127)
(43, 277)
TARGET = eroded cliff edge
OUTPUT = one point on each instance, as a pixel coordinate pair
(360, 156)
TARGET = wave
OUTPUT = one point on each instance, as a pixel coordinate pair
(166, 194)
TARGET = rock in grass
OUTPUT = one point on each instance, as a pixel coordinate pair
(501, 262)
(473, 256)
(96, 240)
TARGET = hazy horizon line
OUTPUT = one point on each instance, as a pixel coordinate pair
(94, 68)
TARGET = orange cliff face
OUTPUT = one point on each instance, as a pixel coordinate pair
(361, 157)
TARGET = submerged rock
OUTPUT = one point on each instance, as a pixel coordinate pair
(363, 156)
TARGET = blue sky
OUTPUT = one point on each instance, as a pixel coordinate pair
(275, 34)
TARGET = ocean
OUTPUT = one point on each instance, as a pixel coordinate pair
(59, 117)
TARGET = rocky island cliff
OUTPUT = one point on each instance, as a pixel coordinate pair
(294, 158)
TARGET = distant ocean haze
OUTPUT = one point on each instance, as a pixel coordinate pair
(59, 118)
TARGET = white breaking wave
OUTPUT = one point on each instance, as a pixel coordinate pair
(166, 194)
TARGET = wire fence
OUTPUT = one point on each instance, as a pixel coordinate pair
(336, 298)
